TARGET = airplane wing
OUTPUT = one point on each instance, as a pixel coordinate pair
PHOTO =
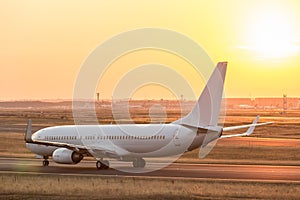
(250, 127)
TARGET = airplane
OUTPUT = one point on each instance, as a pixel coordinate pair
(69, 144)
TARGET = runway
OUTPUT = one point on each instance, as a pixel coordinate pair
(175, 170)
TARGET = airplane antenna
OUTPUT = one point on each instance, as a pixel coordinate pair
(284, 103)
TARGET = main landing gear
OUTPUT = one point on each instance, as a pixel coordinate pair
(102, 164)
(139, 163)
(45, 161)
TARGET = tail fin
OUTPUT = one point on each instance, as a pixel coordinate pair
(207, 109)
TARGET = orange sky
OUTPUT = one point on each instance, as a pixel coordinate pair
(44, 43)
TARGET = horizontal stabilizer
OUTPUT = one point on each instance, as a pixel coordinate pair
(250, 127)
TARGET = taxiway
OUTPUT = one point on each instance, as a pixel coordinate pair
(182, 170)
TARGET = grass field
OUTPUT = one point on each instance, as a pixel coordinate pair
(32, 186)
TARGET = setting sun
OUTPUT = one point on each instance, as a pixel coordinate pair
(271, 34)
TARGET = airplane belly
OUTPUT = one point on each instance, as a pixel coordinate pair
(143, 147)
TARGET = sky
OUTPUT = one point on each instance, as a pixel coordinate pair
(45, 43)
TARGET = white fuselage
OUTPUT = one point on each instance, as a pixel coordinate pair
(125, 141)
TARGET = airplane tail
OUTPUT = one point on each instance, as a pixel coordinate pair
(207, 109)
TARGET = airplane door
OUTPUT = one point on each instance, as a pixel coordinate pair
(176, 138)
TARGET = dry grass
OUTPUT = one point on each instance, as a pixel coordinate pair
(31, 186)
(285, 126)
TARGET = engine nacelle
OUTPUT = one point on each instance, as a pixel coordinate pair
(66, 156)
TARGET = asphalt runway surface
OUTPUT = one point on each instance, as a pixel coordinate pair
(175, 170)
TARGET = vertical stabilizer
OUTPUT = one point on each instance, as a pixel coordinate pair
(207, 109)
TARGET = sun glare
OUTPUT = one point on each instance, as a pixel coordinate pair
(271, 35)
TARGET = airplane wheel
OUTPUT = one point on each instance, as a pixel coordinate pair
(45, 163)
(139, 163)
(105, 164)
(99, 165)
(135, 164)
(142, 163)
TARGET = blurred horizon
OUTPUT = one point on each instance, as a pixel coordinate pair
(137, 99)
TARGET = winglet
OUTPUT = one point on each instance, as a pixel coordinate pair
(28, 132)
(251, 128)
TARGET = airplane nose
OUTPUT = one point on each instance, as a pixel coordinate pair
(36, 135)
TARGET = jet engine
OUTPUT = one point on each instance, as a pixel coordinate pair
(66, 156)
